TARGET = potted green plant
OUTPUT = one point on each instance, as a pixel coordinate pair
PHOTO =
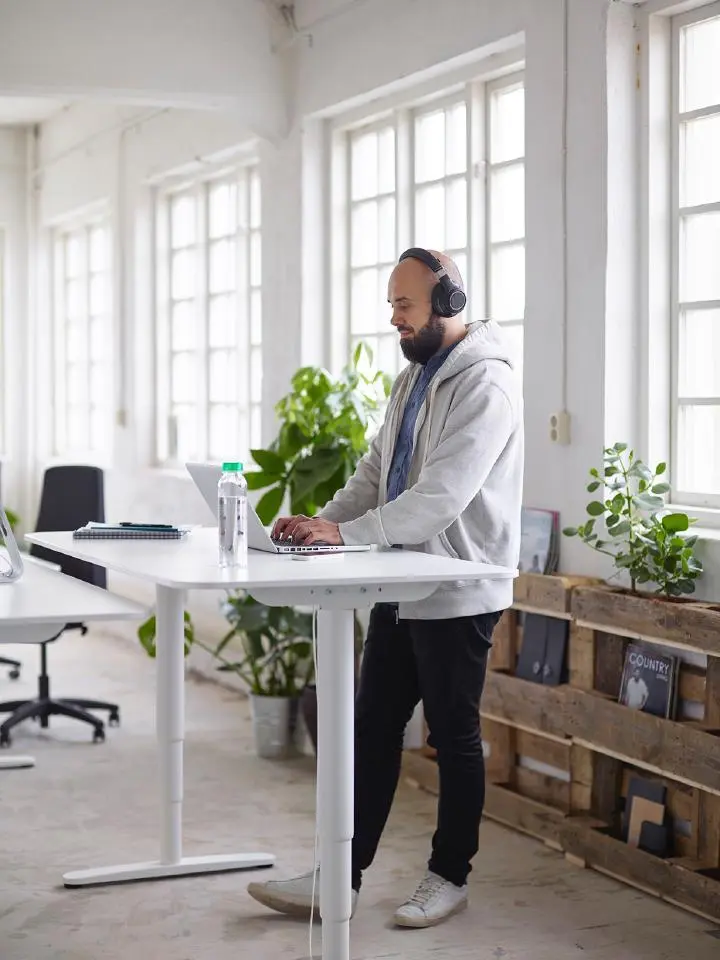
(650, 547)
(632, 525)
(325, 425)
(275, 661)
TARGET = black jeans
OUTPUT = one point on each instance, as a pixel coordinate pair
(442, 663)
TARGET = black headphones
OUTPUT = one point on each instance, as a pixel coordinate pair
(447, 298)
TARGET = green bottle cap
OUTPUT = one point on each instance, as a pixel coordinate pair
(232, 467)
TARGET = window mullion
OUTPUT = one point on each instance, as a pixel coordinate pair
(171, 425)
(243, 301)
(404, 206)
(203, 292)
(88, 365)
(675, 261)
(486, 191)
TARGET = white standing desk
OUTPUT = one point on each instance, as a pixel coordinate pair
(336, 584)
(39, 604)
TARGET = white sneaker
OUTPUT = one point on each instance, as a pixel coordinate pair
(294, 897)
(434, 901)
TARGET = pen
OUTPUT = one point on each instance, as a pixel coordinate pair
(148, 526)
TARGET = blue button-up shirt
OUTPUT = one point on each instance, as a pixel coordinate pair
(402, 455)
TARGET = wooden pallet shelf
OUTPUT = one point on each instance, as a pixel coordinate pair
(687, 751)
(685, 882)
(559, 759)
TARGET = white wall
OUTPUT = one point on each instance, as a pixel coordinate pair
(13, 348)
(209, 53)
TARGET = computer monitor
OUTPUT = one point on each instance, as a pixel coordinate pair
(11, 565)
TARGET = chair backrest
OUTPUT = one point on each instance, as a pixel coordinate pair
(71, 497)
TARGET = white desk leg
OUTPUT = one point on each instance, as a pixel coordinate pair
(170, 719)
(336, 691)
(14, 763)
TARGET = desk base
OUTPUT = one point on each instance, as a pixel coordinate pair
(154, 870)
(14, 763)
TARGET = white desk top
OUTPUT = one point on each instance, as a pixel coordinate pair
(44, 596)
(192, 564)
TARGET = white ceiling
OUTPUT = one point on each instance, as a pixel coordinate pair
(26, 110)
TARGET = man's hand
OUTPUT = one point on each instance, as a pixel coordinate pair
(284, 527)
(306, 531)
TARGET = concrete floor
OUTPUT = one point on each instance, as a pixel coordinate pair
(86, 804)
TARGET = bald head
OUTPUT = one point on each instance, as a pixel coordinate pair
(451, 268)
(418, 272)
(422, 334)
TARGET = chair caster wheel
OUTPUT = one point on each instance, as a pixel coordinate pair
(5, 740)
(114, 719)
(99, 736)
(14, 674)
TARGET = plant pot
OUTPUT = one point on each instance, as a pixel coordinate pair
(275, 726)
(308, 705)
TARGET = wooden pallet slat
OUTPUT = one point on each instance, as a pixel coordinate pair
(712, 693)
(690, 624)
(581, 657)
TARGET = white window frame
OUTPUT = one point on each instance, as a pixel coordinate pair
(702, 500)
(98, 218)
(660, 21)
(484, 206)
(244, 174)
(475, 88)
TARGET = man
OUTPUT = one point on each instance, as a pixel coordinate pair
(443, 476)
(637, 691)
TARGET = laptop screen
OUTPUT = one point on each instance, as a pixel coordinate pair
(11, 565)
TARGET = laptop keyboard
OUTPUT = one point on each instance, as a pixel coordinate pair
(300, 548)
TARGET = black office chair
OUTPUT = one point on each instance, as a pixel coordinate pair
(71, 497)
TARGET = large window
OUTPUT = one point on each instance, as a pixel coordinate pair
(210, 319)
(83, 340)
(447, 174)
(696, 293)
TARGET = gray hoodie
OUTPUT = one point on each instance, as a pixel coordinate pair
(464, 490)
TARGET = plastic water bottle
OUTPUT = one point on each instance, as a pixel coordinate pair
(232, 516)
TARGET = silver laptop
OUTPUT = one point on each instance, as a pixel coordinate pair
(11, 565)
(206, 477)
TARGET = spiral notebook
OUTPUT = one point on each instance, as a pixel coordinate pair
(118, 531)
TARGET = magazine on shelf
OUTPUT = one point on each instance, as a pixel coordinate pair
(539, 541)
(649, 681)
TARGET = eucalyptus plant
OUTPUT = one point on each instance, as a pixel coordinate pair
(632, 525)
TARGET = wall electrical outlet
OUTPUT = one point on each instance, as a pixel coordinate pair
(560, 427)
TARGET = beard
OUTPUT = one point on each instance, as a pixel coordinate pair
(426, 342)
